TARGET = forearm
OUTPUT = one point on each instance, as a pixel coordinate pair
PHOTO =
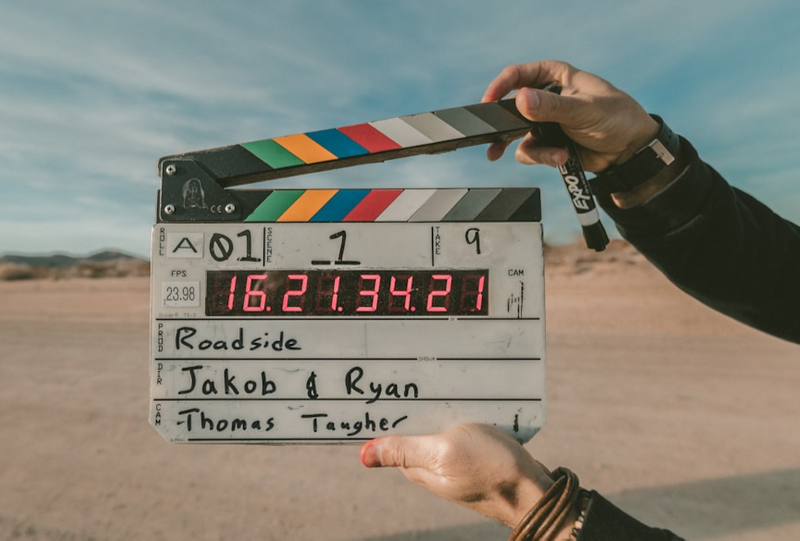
(717, 243)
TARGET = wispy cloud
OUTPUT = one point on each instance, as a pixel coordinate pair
(94, 92)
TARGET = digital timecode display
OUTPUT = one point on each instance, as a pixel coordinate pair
(348, 293)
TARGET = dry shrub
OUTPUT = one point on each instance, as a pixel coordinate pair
(16, 271)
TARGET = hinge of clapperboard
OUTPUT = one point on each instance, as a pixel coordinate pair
(195, 185)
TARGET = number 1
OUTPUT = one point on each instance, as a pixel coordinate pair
(343, 236)
(333, 293)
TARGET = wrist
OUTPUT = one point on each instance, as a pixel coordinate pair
(572, 522)
(574, 519)
(554, 515)
(652, 168)
(518, 504)
(646, 134)
(651, 187)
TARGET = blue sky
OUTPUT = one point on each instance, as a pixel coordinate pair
(93, 92)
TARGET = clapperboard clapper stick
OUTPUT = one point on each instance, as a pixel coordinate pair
(371, 142)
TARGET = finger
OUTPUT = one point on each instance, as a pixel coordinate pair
(496, 150)
(530, 153)
(534, 74)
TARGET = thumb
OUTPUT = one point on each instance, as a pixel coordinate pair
(395, 451)
(543, 106)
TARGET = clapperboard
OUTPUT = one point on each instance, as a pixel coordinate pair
(339, 315)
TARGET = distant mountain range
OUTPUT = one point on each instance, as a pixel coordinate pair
(61, 260)
(107, 263)
(573, 258)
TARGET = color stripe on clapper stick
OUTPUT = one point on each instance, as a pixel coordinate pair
(437, 131)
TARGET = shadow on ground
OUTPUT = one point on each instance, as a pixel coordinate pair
(698, 510)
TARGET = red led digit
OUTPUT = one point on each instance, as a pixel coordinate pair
(443, 294)
(477, 293)
(232, 295)
(303, 278)
(333, 293)
(362, 293)
(398, 292)
(256, 292)
(401, 292)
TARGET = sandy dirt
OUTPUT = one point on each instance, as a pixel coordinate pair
(682, 417)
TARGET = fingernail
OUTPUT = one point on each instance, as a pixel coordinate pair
(369, 455)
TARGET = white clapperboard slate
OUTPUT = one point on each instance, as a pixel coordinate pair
(340, 315)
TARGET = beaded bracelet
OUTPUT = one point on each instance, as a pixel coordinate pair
(576, 528)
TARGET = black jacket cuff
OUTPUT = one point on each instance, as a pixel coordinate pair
(606, 522)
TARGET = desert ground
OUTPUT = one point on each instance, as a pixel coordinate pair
(680, 416)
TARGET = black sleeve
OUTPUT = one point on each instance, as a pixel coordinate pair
(721, 246)
(605, 522)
